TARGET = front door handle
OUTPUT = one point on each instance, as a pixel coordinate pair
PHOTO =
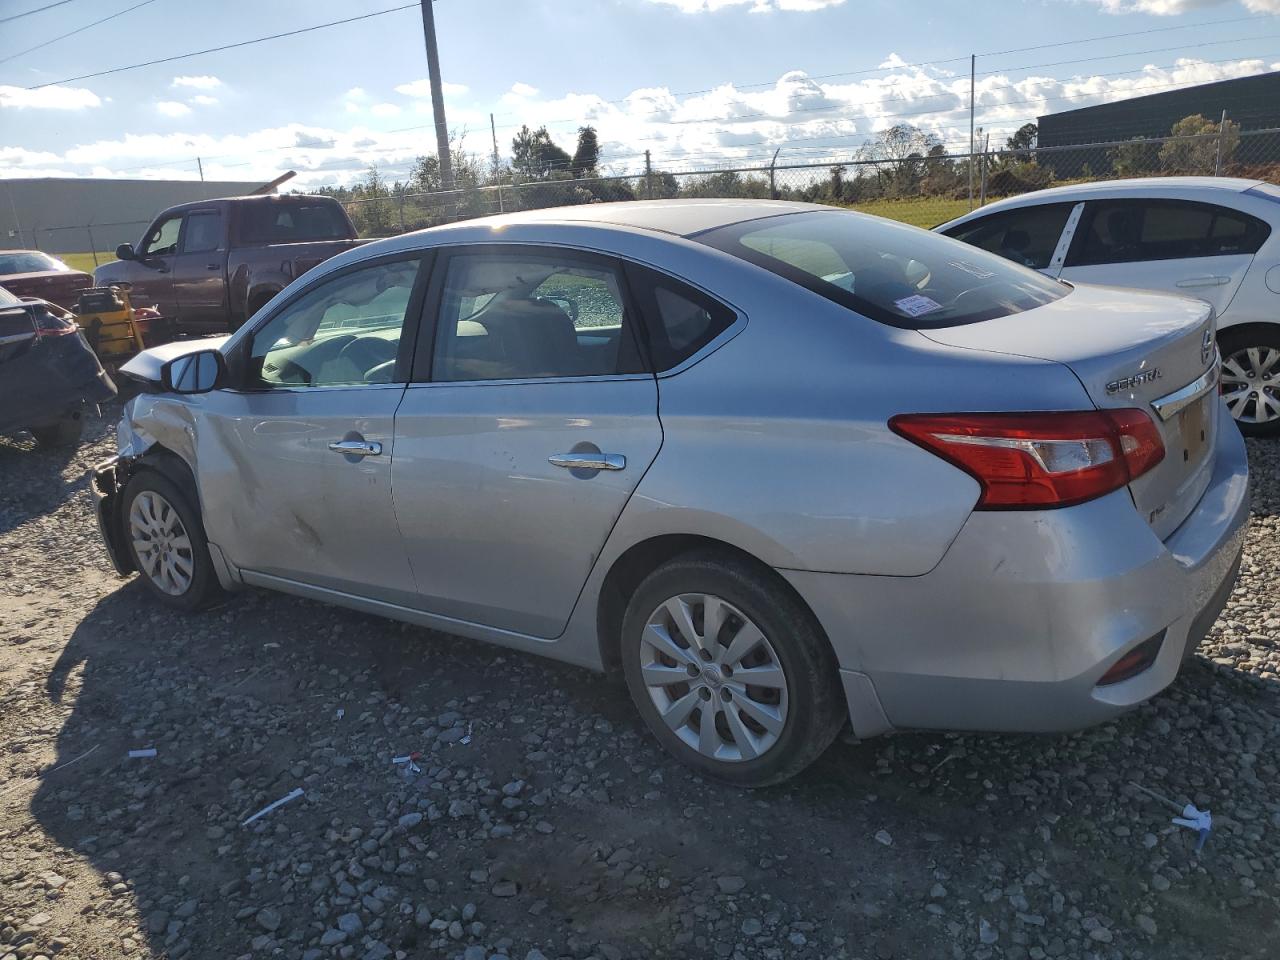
(1203, 281)
(357, 448)
(589, 461)
(213, 266)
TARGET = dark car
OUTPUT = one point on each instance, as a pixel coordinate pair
(33, 273)
(47, 371)
(209, 265)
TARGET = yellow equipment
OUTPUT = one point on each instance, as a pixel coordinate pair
(110, 323)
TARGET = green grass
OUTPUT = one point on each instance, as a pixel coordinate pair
(923, 212)
(84, 261)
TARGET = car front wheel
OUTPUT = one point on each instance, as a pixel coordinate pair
(167, 542)
(1251, 378)
(730, 671)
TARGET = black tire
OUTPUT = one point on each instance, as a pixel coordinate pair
(1236, 340)
(64, 432)
(816, 706)
(203, 587)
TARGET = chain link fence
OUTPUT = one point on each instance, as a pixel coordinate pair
(922, 190)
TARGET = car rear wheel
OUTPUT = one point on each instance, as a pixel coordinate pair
(1251, 378)
(167, 542)
(729, 670)
(64, 432)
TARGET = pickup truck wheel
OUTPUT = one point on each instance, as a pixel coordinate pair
(166, 542)
(64, 432)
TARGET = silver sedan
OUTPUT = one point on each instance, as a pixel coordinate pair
(784, 468)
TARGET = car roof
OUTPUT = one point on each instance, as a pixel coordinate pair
(1138, 186)
(682, 218)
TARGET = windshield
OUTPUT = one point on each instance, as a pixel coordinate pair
(888, 271)
(28, 261)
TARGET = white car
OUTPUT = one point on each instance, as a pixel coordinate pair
(1214, 238)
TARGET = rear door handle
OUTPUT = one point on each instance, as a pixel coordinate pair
(1203, 281)
(589, 461)
(357, 448)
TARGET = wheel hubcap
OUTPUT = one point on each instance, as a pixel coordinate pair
(161, 543)
(714, 677)
(1249, 384)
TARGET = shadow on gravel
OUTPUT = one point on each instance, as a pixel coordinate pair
(919, 845)
(38, 480)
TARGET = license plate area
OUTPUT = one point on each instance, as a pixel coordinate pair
(1195, 425)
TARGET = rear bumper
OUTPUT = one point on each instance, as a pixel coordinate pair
(1026, 612)
(106, 482)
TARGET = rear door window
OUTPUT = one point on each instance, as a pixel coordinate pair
(272, 221)
(888, 271)
(1027, 236)
(1131, 231)
(203, 232)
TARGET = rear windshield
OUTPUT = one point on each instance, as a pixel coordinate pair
(28, 261)
(888, 271)
(292, 222)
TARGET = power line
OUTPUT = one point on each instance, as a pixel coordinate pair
(72, 33)
(227, 46)
(47, 6)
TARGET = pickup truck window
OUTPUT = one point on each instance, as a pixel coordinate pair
(204, 231)
(162, 239)
(292, 222)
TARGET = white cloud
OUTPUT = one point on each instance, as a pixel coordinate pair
(48, 98)
(422, 89)
(384, 110)
(1172, 8)
(757, 6)
(818, 121)
(197, 83)
(524, 90)
(203, 101)
(172, 108)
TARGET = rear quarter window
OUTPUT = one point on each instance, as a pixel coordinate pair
(893, 273)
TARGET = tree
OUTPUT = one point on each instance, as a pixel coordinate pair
(902, 150)
(1026, 137)
(372, 215)
(1135, 158)
(1198, 155)
(587, 154)
(535, 156)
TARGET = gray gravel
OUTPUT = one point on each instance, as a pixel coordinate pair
(558, 829)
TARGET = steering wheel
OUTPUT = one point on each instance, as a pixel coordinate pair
(365, 353)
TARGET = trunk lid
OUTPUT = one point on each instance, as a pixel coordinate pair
(1129, 349)
(57, 286)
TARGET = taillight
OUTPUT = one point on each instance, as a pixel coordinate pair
(49, 324)
(1027, 461)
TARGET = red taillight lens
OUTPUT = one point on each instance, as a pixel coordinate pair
(1038, 460)
(1134, 662)
(49, 324)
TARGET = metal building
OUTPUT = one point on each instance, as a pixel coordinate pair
(81, 215)
(1252, 102)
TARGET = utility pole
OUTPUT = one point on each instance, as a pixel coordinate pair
(773, 186)
(437, 96)
(493, 131)
(200, 167)
(973, 63)
(648, 177)
(1222, 132)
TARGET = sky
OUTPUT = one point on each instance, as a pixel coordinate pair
(698, 83)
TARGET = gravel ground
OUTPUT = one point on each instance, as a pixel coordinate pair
(544, 822)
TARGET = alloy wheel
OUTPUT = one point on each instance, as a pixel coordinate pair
(161, 543)
(1251, 384)
(714, 677)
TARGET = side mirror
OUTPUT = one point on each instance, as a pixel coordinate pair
(125, 252)
(197, 372)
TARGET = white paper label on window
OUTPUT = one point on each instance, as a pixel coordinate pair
(917, 305)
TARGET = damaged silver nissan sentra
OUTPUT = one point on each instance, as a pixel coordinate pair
(783, 467)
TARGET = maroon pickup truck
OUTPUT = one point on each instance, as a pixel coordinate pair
(211, 264)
